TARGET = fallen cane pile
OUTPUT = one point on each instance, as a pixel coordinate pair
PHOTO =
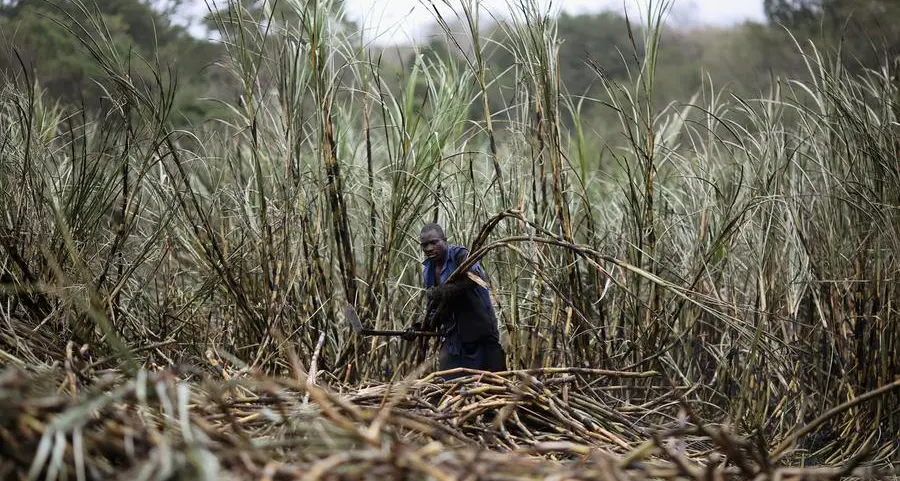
(554, 424)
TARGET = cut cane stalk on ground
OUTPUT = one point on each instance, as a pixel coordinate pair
(769, 291)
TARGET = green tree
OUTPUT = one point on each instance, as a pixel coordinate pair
(37, 40)
(867, 31)
(45, 36)
(601, 39)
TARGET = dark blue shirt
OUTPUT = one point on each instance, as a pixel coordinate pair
(470, 316)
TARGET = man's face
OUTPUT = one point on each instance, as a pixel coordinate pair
(433, 246)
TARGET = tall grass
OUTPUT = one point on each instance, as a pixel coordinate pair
(746, 247)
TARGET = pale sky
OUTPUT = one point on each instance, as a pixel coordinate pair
(406, 21)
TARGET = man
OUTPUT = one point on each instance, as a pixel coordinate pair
(461, 309)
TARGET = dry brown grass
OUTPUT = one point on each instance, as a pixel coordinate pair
(744, 249)
(552, 424)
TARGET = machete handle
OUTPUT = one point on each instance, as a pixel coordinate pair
(375, 332)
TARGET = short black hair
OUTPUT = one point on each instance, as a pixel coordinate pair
(433, 227)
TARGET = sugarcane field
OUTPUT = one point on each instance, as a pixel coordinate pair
(449, 240)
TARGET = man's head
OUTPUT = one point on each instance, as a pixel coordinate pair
(433, 241)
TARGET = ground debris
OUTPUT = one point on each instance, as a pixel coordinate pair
(537, 425)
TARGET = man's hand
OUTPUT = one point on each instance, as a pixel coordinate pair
(450, 290)
(435, 294)
(409, 333)
(443, 292)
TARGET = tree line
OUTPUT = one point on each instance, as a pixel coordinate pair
(43, 41)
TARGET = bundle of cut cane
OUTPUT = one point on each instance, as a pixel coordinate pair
(510, 426)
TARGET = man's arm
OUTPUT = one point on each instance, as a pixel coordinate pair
(437, 295)
(453, 289)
